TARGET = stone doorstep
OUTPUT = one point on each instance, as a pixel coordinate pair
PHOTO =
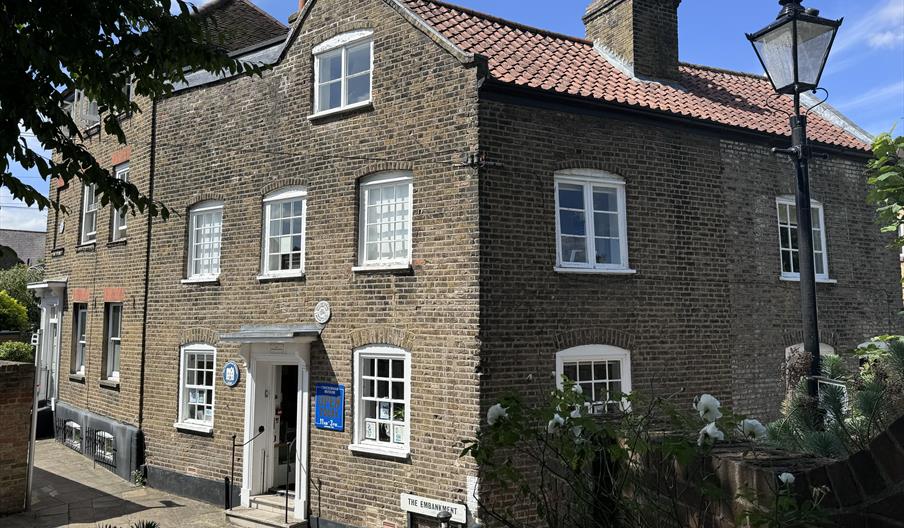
(259, 518)
(272, 503)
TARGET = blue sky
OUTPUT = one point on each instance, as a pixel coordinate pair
(864, 76)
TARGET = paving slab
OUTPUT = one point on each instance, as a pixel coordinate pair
(69, 491)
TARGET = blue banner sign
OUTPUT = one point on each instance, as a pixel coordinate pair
(329, 406)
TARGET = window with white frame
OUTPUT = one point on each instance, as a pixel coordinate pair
(342, 71)
(72, 435)
(602, 371)
(385, 220)
(591, 222)
(788, 241)
(205, 223)
(118, 227)
(89, 214)
(104, 448)
(382, 392)
(80, 339)
(112, 344)
(284, 232)
(197, 386)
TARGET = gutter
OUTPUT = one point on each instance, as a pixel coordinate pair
(147, 264)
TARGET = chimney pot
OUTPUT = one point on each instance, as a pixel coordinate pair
(641, 33)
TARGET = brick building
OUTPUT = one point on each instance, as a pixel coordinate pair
(397, 209)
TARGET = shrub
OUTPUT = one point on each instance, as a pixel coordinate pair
(15, 281)
(16, 351)
(13, 316)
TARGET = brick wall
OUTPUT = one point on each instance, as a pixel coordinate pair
(16, 397)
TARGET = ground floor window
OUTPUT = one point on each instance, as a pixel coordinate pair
(197, 386)
(382, 388)
(72, 435)
(602, 372)
(104, 446)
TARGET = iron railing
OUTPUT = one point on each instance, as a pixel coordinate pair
(97, 444)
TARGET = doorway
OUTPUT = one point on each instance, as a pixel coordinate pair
(285, 428)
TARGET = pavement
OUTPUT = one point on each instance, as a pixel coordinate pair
(69, 491)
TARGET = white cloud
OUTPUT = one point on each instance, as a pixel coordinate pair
(879, 28)
(15, 215)
(891, 93)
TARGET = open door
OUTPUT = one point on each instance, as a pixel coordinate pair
(285, 428)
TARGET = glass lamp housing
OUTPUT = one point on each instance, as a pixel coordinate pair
(793, 50)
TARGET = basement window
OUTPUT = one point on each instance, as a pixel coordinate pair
(72, 435)
(342, 72)
(104, 449)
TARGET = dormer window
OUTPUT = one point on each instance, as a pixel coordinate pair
(342, 72)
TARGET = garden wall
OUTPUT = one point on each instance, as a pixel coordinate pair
(16, 397)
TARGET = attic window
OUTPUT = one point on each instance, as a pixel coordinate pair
(342, 72)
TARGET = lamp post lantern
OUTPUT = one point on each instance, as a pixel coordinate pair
(793, 51)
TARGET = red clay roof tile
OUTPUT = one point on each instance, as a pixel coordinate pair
(540, 59)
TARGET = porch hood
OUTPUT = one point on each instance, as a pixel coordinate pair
(282, 333)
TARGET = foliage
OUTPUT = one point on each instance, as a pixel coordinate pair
(15, 281)
(849, 414)
(13, 316)
(95, 47)
(636, 466)
(886, 176)
(786, 511)
(17, 351)
(138, 478)
(138, 524)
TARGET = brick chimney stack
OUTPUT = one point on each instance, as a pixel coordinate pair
(643, 34)
(294, 15)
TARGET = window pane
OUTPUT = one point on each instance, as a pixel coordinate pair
(398, 369)
(599, 370)
(370, 409)
(368, 366)
(398, 412)
(330, 66)
(614, 370)
(571, 196)
(572, 222)
(820, 268)
(585, 372)
(606, 224)
(358, 89)
(398, 390)
(570, 370)
(329, 96)
(605, 199)
(383, 368)
(369, 388)
(358, 58)
(574, 249)
(608, 251)
(786, 262)
(382, 389)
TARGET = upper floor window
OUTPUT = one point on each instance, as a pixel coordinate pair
(197, 386)
(788, 242)
(382, 396)
(80, 339)
(591, 223)
(118, 227)
(385, 220)
(603, 372)
(205, 223)
(342, 71)
(284, 231)
(89, 214)
(112, 344)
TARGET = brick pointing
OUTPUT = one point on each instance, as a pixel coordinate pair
(16, 398)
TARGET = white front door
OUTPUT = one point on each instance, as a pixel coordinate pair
(276, 398)
(50, 351)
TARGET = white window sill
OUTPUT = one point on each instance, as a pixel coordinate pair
(274, 276)
(379, 450)
(201, 280)
(197, 428)
(334, 111)
(382, 267)
(823, 280)
(596, 271)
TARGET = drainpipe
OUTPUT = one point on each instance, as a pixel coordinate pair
(147, 264)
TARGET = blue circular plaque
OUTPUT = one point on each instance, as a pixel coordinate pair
(231, 374)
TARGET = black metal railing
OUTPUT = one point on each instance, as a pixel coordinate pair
(71, 436)
(97, 444)
(230, 480)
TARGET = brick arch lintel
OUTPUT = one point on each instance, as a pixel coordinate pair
(594, 336)
(198, 335)
(587, 164)
(281, 183)
(796, 337)
(383, 335)
(384, 166)
(203, 197)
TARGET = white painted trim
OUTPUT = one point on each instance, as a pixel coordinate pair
(587, 179)
(787, 199)
(188, 426)
(343, 76)
(358, 443)
(342, 39)
(595, 271)
(287, 194)
(196, 210)
(340, 110)
(796, 278)
(295, 191)
(88, 237)
(181, 422)
(597, 353)
(119, 224)
(202, 279)
(375, 180)
(272, 276)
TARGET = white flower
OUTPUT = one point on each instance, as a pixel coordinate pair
(752, 429)
(495, 413)
(576, 413)
(708, 407)
(577, 389)
(786, 478)
(555, 423)
(710, 432)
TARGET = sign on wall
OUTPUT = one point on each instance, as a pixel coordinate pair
(432, 507)
(231, 374)
(329, 406)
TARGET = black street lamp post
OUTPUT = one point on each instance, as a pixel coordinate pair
(793, 51)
